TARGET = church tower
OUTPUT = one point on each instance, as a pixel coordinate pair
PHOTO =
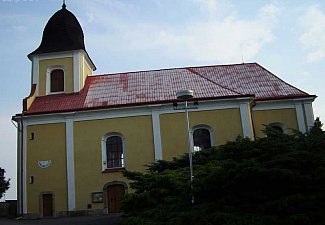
(61, 63)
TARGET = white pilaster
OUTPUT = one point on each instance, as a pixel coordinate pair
(24, 174)
(309, 114)
(246, 120)
(19, 167)
(300, 117)
(70, 164)
(156, 135)
(76, 72)
(35, 72)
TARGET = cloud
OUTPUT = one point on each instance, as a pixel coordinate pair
(214, 35)
(313, 36)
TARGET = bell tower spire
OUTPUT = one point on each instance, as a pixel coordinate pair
(61, 64)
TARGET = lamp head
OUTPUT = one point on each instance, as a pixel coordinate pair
(184, 95)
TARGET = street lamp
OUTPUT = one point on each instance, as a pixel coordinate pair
(186, 95)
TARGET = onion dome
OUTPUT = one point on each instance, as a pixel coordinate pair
(61, 33)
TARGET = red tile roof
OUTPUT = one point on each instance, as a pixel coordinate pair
(159, 86)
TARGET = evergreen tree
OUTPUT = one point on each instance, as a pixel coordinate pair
(279, 179)
(4, 184)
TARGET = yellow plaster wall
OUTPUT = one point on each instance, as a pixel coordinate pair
(84, 69)
(48, 144)
(87, 70)
(67, 63)
(226, 124)
(30, 99)
(285, 116)
(139, 151)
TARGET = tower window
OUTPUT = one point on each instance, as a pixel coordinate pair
(57, 80)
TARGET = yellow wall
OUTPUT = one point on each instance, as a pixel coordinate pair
(139, 151)
(48, 144)
(87, 71)
(284, 116)
(226, 124)
(67, 63)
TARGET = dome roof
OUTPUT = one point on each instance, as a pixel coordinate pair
(61, 33)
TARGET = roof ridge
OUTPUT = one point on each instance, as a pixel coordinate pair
(197, 73)
(174, 68)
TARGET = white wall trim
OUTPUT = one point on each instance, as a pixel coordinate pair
(83, 72)
(55, 55)
(156, 135)
(104, 155)
(19, 167)
(246, 120)
(35, 73)
(48, 79)
(203, 126)
(124, 112)
(70, 164)
(300, 117)
(76, 72)
(280, 104)
(309, 114)
(24, 165)
(273, 105)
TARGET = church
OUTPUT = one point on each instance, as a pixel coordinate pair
(78, 132)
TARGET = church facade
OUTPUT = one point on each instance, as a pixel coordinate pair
(78, 132)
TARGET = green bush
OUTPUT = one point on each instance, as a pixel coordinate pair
(279, 179)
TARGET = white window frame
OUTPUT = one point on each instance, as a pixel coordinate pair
(104, 153)
(206, 127)
(48, 79)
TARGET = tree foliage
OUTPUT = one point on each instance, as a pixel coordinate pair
(279, 179)
(4, 184)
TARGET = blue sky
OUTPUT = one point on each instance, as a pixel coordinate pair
(285, 37)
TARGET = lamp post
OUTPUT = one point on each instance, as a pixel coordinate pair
(185, 95)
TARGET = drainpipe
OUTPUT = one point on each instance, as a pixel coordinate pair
(252, 105)
(20, 131)
(22, 165)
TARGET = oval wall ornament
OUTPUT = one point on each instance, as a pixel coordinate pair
(44, 163)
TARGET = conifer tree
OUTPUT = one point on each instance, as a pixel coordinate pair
(279, 179)
(4, 184)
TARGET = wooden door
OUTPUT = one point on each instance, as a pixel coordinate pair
(47, 205)
(115, 193)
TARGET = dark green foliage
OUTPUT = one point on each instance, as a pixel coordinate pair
(279, 180)
(4, 184)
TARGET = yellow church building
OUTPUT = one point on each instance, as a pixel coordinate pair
(78, 132)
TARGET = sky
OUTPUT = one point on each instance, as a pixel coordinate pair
(285, 37)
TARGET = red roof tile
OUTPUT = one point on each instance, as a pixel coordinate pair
(158, 86)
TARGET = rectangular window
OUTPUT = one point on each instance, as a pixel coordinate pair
(57, 80)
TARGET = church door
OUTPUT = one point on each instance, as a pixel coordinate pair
(47, 205)
(115, 193)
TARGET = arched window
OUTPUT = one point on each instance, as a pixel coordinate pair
(57, 80)
(202, 137)
(279, 127)
(113, 151)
